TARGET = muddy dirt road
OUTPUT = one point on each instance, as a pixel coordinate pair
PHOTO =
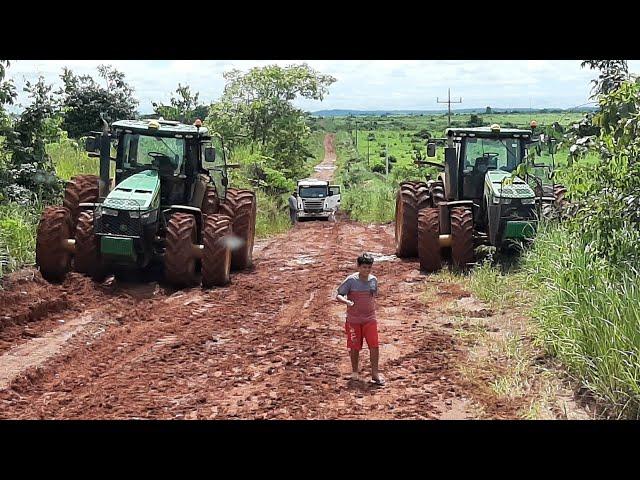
(270, 345)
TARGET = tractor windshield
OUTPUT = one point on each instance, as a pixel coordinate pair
(482, 154)
(159, 153)
(313, 192)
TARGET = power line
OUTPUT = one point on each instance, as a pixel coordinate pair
(449, 102)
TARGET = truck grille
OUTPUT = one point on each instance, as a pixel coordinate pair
(313, 205)
(122, 224)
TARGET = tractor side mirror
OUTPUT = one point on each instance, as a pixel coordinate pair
(92, 144)
(210, 154)
(431, 149)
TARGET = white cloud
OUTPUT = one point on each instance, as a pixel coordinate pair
(361, 84)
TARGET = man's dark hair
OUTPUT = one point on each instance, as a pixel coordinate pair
(365, 259)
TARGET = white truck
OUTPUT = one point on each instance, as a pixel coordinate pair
(317, 199)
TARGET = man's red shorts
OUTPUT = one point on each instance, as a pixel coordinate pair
(357, 331)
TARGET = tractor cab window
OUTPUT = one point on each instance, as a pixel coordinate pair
(217, 169)
(482, 154)
(313, 192)
(164, 154)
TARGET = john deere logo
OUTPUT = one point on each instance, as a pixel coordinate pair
(123, 228)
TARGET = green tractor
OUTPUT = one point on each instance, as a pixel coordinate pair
(476, 199)
(169, 205)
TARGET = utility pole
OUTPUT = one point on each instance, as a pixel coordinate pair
(449, 102)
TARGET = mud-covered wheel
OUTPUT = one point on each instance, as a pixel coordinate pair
(210, 202)
(179, 259)
(216, 256)
(411, 198)
(429, 251)
(436, 192)
(240, 206)
(80, 189)
(462, 248)
(87, 251)
(559, 193)
(53, 232)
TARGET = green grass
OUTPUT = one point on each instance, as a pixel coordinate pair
(69, 160)
(17, 236)
(588, 313)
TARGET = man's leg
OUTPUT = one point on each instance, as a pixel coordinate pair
(375, 355)
(355, 357)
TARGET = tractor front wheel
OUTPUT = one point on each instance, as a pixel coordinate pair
(87, 252)
(179, 260)
(216, 257)
(429, 251)
(54, 229)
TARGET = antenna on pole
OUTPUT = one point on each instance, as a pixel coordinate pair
(449, 102)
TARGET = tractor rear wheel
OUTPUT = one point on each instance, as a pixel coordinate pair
(411, 198)
(216, 257)
(462, 248)
(429, 250)
(240, 206)
(179, 260)
(436, 192)
(54, 230)
(80, 189)
(87, 252)
(210, 202)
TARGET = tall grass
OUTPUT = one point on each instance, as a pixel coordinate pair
(272, 217)
(588, 312)
(69, 159)
(17, 236)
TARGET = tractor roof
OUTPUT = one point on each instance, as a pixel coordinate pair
(166, 128)
(487, 132)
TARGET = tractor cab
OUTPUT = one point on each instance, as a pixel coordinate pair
(177, 153)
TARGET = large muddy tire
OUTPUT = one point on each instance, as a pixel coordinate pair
(429, 251)
(210, 202)
(462, 247)
(240, 206)
(80, 189)
(216, 256)
(436, 192)
(179, 259)
(411, 198)
(87, 252)
(559, 193)
(54, 230)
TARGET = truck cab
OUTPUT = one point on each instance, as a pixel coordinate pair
(317, 199)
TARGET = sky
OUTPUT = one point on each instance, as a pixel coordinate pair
(360, 85)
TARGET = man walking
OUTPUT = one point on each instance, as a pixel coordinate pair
(293, 207)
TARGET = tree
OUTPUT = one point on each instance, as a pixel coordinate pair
(184, 107)
(475, 121)
(488, 111)
(256, 110)
(30, 170)
(83, 100)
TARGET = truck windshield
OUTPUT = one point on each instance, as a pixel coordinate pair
(492, 154)
(313, 192)
(159, 153)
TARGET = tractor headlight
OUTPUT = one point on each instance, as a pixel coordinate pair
(134, 214)
(528, 201)
(497, 200)
(97, 213)
(109, 211)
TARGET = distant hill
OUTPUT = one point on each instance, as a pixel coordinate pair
(344, 113)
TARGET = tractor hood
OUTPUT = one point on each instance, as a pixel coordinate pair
(517, 189)
(138, 192)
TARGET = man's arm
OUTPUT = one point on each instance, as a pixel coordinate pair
(345, 300)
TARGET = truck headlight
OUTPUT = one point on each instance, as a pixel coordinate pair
(528, 201)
